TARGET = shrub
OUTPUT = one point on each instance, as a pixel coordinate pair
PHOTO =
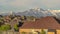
(20, 24)
(23, 32)
(16, 27)
(43, 32)
(5, 27)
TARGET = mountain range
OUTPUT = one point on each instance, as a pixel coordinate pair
(38, 12)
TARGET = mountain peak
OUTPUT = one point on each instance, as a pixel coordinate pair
(36, 8)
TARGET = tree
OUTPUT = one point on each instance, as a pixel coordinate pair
(23, 32)
(1, 21)
(22, 17)
(5, 27)
(43, 32)
(31, 18)
(16, 27)
(20, 24)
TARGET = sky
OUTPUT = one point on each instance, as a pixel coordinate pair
(21, 5)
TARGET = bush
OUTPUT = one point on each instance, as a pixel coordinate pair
(43, 32)
(16, 27)
(20, 24)
(23, 32)
(5, 27)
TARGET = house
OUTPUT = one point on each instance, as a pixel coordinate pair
(48, 24)
(7, 19)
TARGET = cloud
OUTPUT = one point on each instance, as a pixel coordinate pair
(50, 3)
(26, 4)
(20, 2)
(34, 3)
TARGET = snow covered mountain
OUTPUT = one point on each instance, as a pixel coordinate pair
(39, 12)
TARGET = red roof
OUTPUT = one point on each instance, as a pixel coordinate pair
(42, 23)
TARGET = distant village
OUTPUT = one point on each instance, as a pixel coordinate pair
(12, 22)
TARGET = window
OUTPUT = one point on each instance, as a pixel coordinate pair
(51, 31)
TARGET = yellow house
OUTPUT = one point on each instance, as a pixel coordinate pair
(46, 25)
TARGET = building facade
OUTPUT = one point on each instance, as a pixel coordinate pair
(46, 25)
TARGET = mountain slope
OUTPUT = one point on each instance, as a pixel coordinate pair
(35, 12)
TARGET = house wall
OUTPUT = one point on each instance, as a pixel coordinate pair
(47, 32)
(51, 32)
(31, 30)
(58, 31)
